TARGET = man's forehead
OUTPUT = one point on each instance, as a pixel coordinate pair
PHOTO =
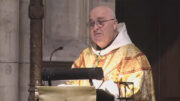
(100, 13)
(97, 18)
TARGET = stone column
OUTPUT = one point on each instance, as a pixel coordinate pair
(36, 14)
(9, 49)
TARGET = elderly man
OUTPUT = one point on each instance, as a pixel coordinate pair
(120, 59)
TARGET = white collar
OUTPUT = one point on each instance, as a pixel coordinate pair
(121, 40)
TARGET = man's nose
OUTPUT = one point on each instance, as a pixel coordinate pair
(96, 27)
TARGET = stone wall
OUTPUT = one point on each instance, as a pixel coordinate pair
(24, 45)
(9, 50)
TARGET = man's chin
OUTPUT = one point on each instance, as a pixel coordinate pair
(99, 41)
(100, 45)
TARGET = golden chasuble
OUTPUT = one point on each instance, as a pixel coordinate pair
(124, 64)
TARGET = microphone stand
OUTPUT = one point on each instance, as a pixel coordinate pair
(50, 60)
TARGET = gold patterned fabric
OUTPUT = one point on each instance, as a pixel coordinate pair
(124, 64)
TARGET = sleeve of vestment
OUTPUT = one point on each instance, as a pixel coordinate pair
(136, 70)
(78, 63)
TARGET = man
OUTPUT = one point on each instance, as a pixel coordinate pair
(120, 59)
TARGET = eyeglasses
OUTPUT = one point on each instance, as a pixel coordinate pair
(98, 22)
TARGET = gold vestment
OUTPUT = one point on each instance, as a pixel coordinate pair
(124, 64)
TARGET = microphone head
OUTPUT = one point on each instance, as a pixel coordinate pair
(60, 48)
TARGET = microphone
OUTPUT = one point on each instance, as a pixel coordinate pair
(59, 48)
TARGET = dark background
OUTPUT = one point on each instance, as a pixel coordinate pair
(154, 27)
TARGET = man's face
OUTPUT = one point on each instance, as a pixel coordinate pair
(102, 27)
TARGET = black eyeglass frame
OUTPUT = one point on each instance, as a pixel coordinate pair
(98, 22)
